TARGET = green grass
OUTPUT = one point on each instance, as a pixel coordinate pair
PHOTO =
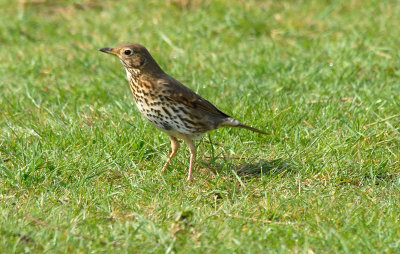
(80, 168)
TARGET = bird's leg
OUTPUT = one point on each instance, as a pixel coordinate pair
(174, 147)
(192, 149)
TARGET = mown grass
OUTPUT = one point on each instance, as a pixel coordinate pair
(80, 169)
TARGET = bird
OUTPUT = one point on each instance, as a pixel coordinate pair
(169, 105)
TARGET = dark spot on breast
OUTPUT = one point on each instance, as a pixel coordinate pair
(186, 120)
(167, 111)
(183, 110)
(175, 110)
(166, 126)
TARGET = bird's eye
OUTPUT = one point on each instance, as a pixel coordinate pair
(128, 52)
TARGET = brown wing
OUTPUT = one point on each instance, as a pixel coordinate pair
(180, 93)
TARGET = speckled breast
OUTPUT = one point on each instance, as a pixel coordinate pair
(160, 110)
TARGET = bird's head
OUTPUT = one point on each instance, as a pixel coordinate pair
(132, 56)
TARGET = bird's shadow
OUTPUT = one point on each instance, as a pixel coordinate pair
(254, 169)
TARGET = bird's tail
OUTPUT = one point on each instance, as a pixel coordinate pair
(250, 128)
(232, 122)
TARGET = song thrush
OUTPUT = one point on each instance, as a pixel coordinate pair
(167, 104)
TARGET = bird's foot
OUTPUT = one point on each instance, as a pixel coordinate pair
(164, 168)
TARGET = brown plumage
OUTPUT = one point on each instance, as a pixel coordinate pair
(167, 104)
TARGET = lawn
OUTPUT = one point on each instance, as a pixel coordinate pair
(80, 168)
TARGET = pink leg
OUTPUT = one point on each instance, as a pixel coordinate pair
(190, 176)
(192, 149)
(174, 147)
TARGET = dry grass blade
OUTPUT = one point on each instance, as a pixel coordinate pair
(381, 121)
(329, 101)
(257, 220)
(44, 224)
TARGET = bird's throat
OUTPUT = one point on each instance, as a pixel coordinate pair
(133, 76)
(132, 73)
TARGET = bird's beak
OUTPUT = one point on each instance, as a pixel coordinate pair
(109, 51)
